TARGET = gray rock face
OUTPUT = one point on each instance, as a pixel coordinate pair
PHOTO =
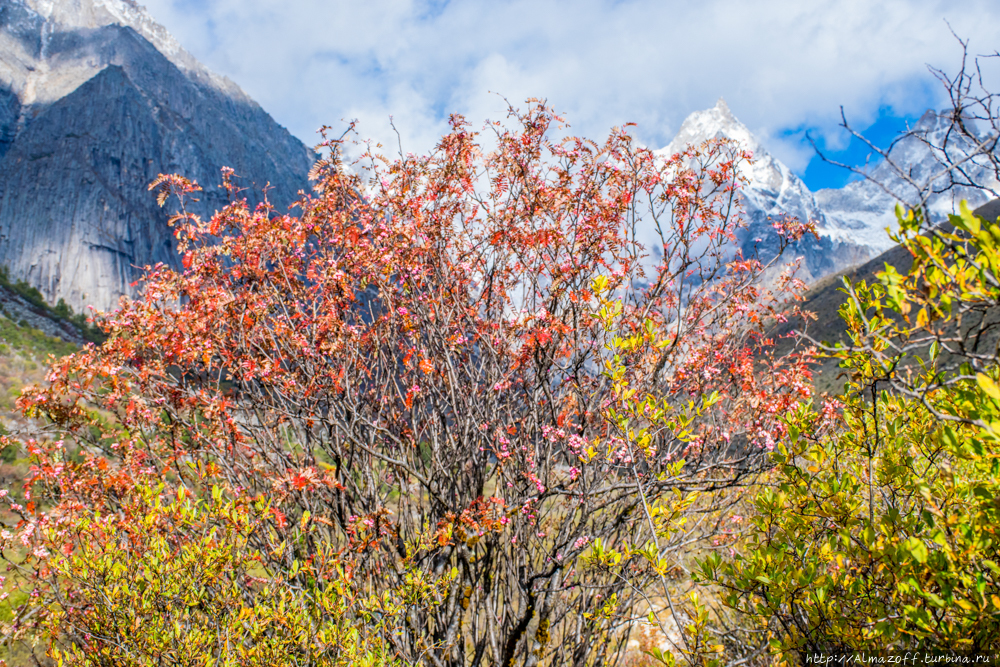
(96, 100)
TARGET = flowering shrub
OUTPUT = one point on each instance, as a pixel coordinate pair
(457, 382)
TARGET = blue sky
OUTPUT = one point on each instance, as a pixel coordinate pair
(785, 68)
(823, 173)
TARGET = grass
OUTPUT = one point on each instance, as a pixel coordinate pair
(24, 358)
(25, 354)
(61, 311)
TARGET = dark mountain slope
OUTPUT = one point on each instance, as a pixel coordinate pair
(825, 298)
(92, 114)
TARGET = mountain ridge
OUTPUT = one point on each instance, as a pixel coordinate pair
(851, 221)
(773, 191)
(91, 111)
(868, 204)
(97, 99)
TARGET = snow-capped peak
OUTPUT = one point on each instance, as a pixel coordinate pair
(773, 191)
(75, 14)
(853, 221)
(718, 121)
(767, 176)
(63, 15)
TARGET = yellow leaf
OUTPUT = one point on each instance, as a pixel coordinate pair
(989, 386)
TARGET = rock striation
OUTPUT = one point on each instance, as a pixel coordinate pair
(96, 100)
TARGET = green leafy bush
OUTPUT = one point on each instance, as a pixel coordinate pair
(61, 311)
(878, 526)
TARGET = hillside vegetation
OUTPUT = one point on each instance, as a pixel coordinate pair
(824, 299)
(32, 335)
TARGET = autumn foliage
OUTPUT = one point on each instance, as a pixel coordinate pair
(482, 388)
(878, 526)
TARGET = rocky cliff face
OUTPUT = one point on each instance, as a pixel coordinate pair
(96, 100)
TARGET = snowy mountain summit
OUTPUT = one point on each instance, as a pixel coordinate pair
(34, 36)
(771, 193)
(773, 190)
(851, 221)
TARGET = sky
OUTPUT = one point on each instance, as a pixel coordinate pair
(785, 68)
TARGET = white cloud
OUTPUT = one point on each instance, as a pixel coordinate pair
(779, 64)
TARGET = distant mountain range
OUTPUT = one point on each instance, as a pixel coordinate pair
(851, 221)
(96, 99)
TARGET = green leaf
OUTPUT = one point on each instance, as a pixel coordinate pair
(917, 549)
(968, 220)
